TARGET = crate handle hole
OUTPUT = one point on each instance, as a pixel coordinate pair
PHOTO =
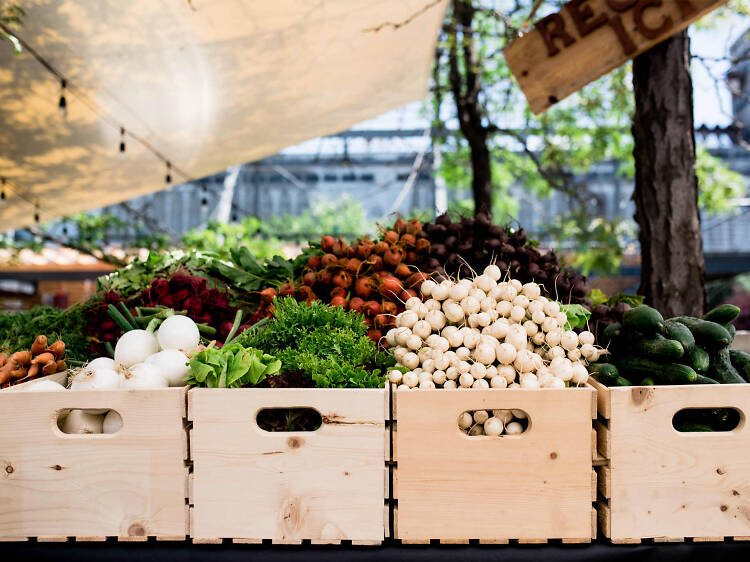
(288, 419)
(706, 420)
(494, 423)
(84, 422)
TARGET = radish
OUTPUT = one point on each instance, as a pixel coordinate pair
(549, 324)
(463, 367)
(428, 365)
(535, 306)
(553, 337)
(451, 373)
(580, 374)
(407, 319)
(432, 304)
(562, 368)
(478, 371)
(453, 312)
(410, 361)
(531, 290)
(506, 353)
(395, 376)
(425, 377)
(514, 428)
(112, 422)
(402, 334)
(144, 376)
(178, 332)
(480, 383)
(551, 308)
(486, 304)
(498, 381)
(483, 319)
(465, 420)
(476, 431)
(505, 416)
(411, 379)
(522, 301)
(493, 427)
(78, 422)
(574, 354)
(413, 342)
(172, 364)
(463, 353)
(403, 387)
(449, 385)
(531, 328)
(422, 329)
(441, 361)
(466, 380)
(586, 338)
(470, 305)
(436, 319)
(485, 283)
(390, 337)
(427, 287)
(538, 317)
(538, 338)
(516, 284)
(135, 346)
(412, 303)
(554, 352)
(493, 272)
(516, 337)
(440, 292)
(473, 320)
(477, 293)
(519, 414)
(399, 353)
(481, 416)
(517, 313)
(484, 354)
(458, 292)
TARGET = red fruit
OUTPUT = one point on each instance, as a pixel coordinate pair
(382, 274)
(304, 292)
(408, 240)
(356, 304)
(339, 248)
(342, 262)
(374, 334)
(391, 287)
(342, 279)
(328, 260)
(363, 287)
(267, 295)
(402, 270)
(372, 309)
(390, 237)
(376, 262)
(389, 307)
(309, 278)
(286, 290)
(313, 262)
(407, 294)
(393, 257)
(411, 257)
(338, 301)
(353, 266)
(324, 277)
(338, 292)
(350, 252)
(400, 225)
(367, 321)
(416, 279)
(381, 248)
(326, 244)
(423, 246)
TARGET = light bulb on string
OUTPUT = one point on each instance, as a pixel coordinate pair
(122, 141)
(36, 214)
(2, 190)
(204, 205)
(62, 105)
(168, 177)
(234, 217)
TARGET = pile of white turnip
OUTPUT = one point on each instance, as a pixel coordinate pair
(487, 333)
(493, 422)
(143, 360)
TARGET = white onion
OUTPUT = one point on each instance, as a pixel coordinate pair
(41, 386)
(78, 422)
(101, 363)
(178, 332)
(112, 422)
(101, 379)
(135, 346)
(172, 364)
(144, 376)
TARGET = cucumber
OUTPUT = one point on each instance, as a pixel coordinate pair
(658, 348)
(692, 427)
(648, 381)
(679, 332)
(663, 373)
(622, 381)
(705, 380)
(606, 373)
(721, 368)
(611, 333)
(643, 319)
(709, 335)
(699, 360)
(723, 314)
(731, 329)
(740, 361)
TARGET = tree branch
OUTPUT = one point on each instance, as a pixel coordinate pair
(397, 25)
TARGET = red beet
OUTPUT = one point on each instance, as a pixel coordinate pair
(407, 294)
(391, 237)
(363, 287)
(268, 294)
(393, 257)
(376, 262)
(353, 266)
(416, 279)
(328, 260)
(339, 248)
(364, 249)
(389, 307)
(338, 292)
(342, 279)
(402, 270)
(313, 262)
(400, 225)
(356, 304)
(391, 287)
(381, 248)
(408, 240)
(326, 243)
(374, 334)
(372, 309)
(338, 301)
(286, 290)
(309, 278)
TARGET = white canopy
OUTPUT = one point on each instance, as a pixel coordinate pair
(206, 84)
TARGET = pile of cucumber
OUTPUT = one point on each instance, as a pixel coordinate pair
(646, 350)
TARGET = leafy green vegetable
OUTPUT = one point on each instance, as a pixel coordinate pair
(578, 316)
(232, 366)
(326, 343)
(19, 330)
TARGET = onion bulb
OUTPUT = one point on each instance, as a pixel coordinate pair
(144, 376)
(178, 332)
(135, 346)
(172, 364)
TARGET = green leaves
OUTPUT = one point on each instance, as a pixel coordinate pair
(232, 366)
(578, 316)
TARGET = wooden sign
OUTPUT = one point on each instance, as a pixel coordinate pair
(588, 38)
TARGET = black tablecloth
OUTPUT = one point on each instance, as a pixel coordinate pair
(111, 551)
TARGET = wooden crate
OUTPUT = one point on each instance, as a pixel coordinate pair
(531, 487)
(130, 484)
(665, 485)
(326, 486)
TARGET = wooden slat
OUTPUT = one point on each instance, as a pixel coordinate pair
(324, 485)
(604, 441)
(602, 398)
(605, 481)
(669, 539)
(130, 483)
(593, 485)
(604, 518)
(708, 539)
(543, 477)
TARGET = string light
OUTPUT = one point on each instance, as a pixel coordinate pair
(122, 140)
(168, 178)
(234, 217)
(2, 189)
(36, 214)
(63, 104)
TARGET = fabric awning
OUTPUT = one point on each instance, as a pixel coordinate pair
(205, 83)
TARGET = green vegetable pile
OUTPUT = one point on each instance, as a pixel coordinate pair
(324, 344)
(646, 349)
(19, 330)
(232, 366)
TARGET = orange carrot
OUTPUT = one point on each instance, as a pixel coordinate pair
(50, 368)
(39, 345)
(43, 358)
(57, 349)
(22, 358)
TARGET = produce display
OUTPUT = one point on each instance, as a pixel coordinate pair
(493, 422)
(19, 330)
(39, 360)
(487, 333)
(646, 349)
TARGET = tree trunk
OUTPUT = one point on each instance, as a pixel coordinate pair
(666, 187)
(481, 181)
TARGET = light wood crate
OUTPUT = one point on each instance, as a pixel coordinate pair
(130, 484)
(532, 487)
(324, 486)
(665, 485)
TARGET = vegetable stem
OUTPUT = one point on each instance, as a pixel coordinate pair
(128, 316)
(206, 331)
(235, 326)
(109, 348)
(119, 319)
(152, 325)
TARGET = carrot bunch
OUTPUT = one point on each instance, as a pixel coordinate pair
(41, 360)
